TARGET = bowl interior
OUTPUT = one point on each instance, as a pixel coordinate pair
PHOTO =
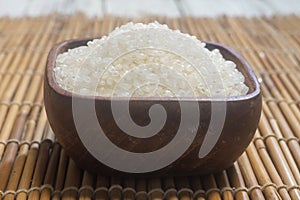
(228, 53)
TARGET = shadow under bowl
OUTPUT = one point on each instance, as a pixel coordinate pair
(187, 143)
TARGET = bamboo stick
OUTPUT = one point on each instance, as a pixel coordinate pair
(6, 41)
(290, 117)
(41, 164)
(277, 38)
(101, 192)
(16, 56)
(87, 188)
(11, 115)
(12, 29)
(32, 157)
(201, 24)
(4, 25)
(220, 35)
(193, 28)
(129, 188)
(211, 187)
(115, 190)
(169, 188)
(223, 183)
(263, 178)
(40, 169)
(284, 93)
(277, 156)
(24, 111)
(183, 187)
(251, 55)
(196, 186)
(61, 173)
(11, 148)
(268, 163)
(72, 181)
(8, 114)
(281, 63)
(177, 24)
(284, 145)
(284, 127)
(23, 149)
(237, 181)
(249, 177)
(51, 172)
(154, 189)
(96, 26)
(141, 189)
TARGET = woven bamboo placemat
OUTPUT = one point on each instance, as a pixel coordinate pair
(33, 165)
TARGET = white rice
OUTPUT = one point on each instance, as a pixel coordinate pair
(148, 60)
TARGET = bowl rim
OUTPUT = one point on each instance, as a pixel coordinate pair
(61, 47)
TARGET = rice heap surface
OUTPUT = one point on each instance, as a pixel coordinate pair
(148, 60)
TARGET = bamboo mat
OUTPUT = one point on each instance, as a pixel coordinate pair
(33, 165)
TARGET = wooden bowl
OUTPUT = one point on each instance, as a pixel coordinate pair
(213, 145)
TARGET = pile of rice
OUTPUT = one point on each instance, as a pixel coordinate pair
(148, 60)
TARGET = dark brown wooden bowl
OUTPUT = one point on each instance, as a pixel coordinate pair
(69, 114)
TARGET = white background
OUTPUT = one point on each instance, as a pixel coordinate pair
(140, 8)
